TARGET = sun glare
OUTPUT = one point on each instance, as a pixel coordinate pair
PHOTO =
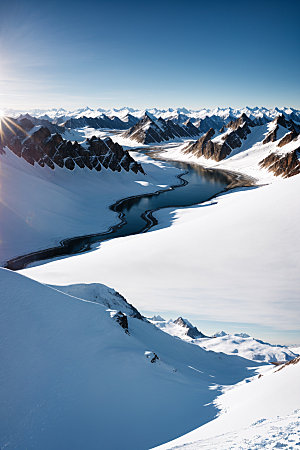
(1, 114)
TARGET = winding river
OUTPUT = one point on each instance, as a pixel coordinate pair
(196, 185)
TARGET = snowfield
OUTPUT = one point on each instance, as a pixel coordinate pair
(70, 377)
(278, 432)
(235, 260)
(263, 413)
(39, 206)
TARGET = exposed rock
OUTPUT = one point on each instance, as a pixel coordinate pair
(150, 130)
(289, 363)
(240, 122)
(152, 356)
(192, 331)
(288, 138)
(121, 319)
(286, 165)
(237, 132)
(25, 119)
(271, 136)
(36, 144)
(213, 121)
(102, 121)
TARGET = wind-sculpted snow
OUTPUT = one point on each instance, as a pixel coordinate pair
(72, 378)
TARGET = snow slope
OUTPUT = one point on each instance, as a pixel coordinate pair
(235, 260)
(269, 408)
(267, 434)
(70, 377)
(244, 159)
(40, 206)
(232, 344)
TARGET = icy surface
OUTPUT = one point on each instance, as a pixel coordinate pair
(71, 377)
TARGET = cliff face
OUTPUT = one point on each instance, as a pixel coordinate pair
(151, 130)
(36, 144)
(218, 150)
(286, 165)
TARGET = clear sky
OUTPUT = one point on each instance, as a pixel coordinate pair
(153, 53)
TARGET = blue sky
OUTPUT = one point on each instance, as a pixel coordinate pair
(145, 54)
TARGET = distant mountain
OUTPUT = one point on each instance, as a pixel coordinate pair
(151, 130)
(102, 121)
(248, 347)
(243, 133)
(36, 144)
(180, 327)
(232, 344)
(178, 115)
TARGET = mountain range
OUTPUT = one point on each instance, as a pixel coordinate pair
(36, 144)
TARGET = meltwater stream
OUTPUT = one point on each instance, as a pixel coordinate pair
(196, 185)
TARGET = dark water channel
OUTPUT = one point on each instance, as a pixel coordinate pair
(196, 185)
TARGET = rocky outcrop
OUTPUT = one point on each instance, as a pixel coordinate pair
(271, 136)
(286, 165)
(37, 145)
(220, 149)
(151, 130)
(26, 120)
(121, 319)
(152, 356)
(102, 121)
(243, 122)
(289, 137)
(215, 122)
(191, 331)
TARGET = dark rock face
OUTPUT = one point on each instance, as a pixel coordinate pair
(286, 165)
(288, 138)
(36, 144)
(26, 119)
(121, 319)
(151, 130)
(152, 356)
(238, 131)
(272, 136)
(192, 331)
(102, 121)
(213, 121)
(240, 122)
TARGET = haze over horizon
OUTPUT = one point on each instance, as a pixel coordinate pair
(160, 53)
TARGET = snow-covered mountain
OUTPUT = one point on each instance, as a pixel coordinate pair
(180, 327)
(236, 344)
(245, 146)
(152, 130)
(37, 145)
(77, 367)
(180, 115)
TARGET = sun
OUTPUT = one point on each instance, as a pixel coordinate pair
(1, 114)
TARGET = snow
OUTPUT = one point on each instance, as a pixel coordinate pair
(267, 434)
(40, 206)
(70, 374)
(237, 344)
(169, 113)
(268, 407)
(244, 159)
(232, 261)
